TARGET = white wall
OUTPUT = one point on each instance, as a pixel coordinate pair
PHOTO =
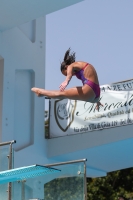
(23, 50)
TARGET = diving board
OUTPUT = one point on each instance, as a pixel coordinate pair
(23, 173)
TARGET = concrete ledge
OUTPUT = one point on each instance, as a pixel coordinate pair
(67, 144)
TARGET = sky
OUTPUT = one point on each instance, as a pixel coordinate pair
(100, 32)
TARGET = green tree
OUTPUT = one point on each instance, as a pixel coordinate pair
(112, 186)
(70, 188)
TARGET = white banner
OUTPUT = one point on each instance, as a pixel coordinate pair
(69, 117)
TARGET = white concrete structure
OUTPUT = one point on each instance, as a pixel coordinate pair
(22, 66)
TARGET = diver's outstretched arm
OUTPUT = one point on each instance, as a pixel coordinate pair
(68, 77)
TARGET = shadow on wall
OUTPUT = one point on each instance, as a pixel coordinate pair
(24, 109)
(1, 93)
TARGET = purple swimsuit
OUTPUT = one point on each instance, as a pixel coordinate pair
(94, 86)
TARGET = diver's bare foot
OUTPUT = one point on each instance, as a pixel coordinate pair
(37, 91)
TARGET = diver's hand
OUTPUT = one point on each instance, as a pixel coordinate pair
(98, 105)
(63, 85)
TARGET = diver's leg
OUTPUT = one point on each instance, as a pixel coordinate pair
(84, 93)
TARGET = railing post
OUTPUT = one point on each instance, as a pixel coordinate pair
(85, 182)
(9, 165)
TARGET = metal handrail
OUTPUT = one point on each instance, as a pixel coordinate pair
(9, 163)
(7, 143)
(72, 162)
(65, 163)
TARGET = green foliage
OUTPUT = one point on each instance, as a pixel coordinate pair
(64, 189)
(115, 184)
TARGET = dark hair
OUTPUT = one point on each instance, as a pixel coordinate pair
(68, 59)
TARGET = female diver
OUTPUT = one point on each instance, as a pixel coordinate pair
(89, 92)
